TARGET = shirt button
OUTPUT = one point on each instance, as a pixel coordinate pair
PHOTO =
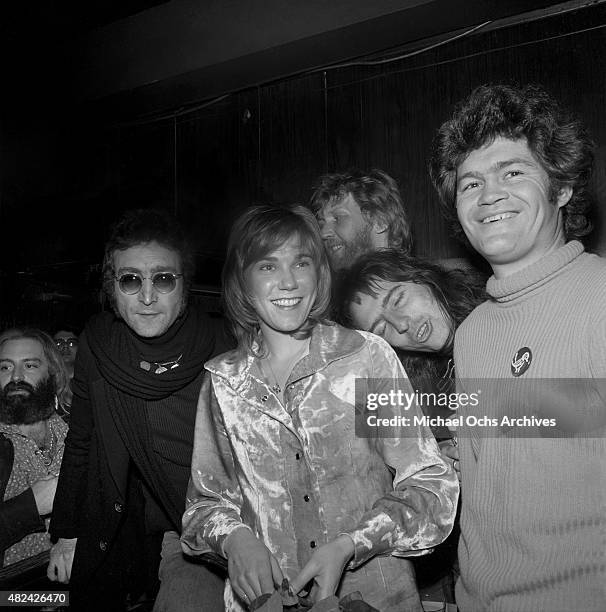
(102, 546)
(118, 507)
(306, 497)
(297, 456)
(312, 544)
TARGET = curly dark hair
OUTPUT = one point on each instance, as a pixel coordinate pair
(377, 195)
(140, 226)
(457, 293)
(555, 137)
(260, 230)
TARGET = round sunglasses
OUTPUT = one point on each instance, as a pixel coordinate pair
(163, 282)
(71, 342)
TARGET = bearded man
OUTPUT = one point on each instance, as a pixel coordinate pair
(359, 213)
(32, 437)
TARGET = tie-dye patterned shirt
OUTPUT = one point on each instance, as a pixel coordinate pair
(28, 467)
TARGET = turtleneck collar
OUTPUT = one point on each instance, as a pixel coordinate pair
(535, 275)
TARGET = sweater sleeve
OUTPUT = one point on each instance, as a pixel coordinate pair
(18, 518)
(71, 488)
(19, 515)
(214, 499)
(595, 413)
(419, 512)
(596, 353)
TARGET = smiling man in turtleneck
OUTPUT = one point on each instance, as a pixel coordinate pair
(513, 167)
(127, 459)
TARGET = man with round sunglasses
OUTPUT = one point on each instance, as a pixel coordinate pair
(67, 343)
(127, 462)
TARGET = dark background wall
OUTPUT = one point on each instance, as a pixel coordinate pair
(67, 172)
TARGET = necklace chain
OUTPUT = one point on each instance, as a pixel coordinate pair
(276, 388)
(47, 454)
(161, 366)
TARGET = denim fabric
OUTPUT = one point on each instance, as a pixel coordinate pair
(186, 586)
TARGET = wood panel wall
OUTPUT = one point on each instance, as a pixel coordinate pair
(271, 142)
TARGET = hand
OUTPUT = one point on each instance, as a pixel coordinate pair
(325, 567)
(450, 451)
(61, 559)
(44, 494)
(253, 570)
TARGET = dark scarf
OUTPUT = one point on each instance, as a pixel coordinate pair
(118, 352)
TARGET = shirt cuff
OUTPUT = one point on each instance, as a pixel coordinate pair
(373, 536)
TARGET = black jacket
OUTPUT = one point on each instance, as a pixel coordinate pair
(99, 496)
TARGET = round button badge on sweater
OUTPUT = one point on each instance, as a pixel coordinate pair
(521, 361)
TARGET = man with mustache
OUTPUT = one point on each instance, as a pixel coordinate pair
(127, 463)
(32, 437)
(359, 213)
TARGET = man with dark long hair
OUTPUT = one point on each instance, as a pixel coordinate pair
(394, 295)
(512, 167)
(127, 460)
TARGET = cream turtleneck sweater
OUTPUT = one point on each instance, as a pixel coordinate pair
(533, 519)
